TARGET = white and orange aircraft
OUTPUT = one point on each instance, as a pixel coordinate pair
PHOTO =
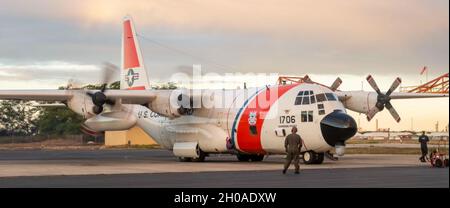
(249, 125)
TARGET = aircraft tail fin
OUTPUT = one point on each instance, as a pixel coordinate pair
(133, 73)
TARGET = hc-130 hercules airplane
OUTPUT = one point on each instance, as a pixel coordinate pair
(250, 126)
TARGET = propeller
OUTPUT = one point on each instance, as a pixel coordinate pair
(336, 84)
(383, 100)
(99, 98)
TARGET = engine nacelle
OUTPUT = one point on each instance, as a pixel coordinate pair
(111, 121)
(81, 104)
(360, 101)
(172, 103)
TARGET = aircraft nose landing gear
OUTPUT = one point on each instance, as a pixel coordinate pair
(311, 157)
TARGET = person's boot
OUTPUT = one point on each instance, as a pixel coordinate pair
(284, 171)
(297, 171)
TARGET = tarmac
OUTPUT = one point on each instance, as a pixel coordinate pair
(159, 168)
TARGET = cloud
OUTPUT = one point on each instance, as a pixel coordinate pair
(61, 72)
(286, 36)
(357, 22)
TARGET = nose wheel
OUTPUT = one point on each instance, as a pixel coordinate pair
(311, 157)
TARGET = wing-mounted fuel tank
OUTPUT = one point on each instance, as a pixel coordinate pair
(172, 103)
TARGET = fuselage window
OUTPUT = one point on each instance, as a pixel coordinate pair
(300, 93)
(320, 97)
(310, 116)
(306, 93)
(330, 96)
(307, 116)
(304, 116)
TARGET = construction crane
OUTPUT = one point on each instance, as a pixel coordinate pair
(437, 85)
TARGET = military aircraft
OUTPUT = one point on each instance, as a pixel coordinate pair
(249, 123)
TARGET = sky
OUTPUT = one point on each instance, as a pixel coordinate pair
(45, 43)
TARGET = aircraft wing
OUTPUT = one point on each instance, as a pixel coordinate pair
(132, 96)
(407, 95)
(38, 95)
(345, 95)
(127, 96)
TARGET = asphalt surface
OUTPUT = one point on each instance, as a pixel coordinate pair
(158, 168)
(412, 177)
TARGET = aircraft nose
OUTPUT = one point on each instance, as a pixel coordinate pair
(337, 127)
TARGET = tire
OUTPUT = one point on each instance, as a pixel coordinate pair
(319, 158)
(201, 157)
(184, 159)
(311, 157)
(439, 163)
(243, 157)
(446, 162)
(308, 157)
(256, 158)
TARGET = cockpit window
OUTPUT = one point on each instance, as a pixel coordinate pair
(305, 101)
(298, 100)
(313, 99)
(331, 96)
(320, 97)
(305, 98)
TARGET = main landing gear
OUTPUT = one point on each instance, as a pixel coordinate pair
(311, 157)
(201, 157)
(247, 158)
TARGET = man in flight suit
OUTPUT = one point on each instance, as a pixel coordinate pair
(423, 139)
(293, 144)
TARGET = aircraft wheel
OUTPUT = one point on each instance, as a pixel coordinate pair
(243, 157)
(319, 158)
(201, 157)
(184, 159)
(256, 158)
(438, 163)
(308, 157)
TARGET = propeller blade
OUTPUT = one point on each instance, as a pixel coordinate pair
(372, 113)
(336, 84)
(373, 84)
(108, 73)
(393, 111)
(90, 94)
(307, 79)
(394, 86)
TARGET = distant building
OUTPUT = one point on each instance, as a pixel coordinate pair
(134, 136)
